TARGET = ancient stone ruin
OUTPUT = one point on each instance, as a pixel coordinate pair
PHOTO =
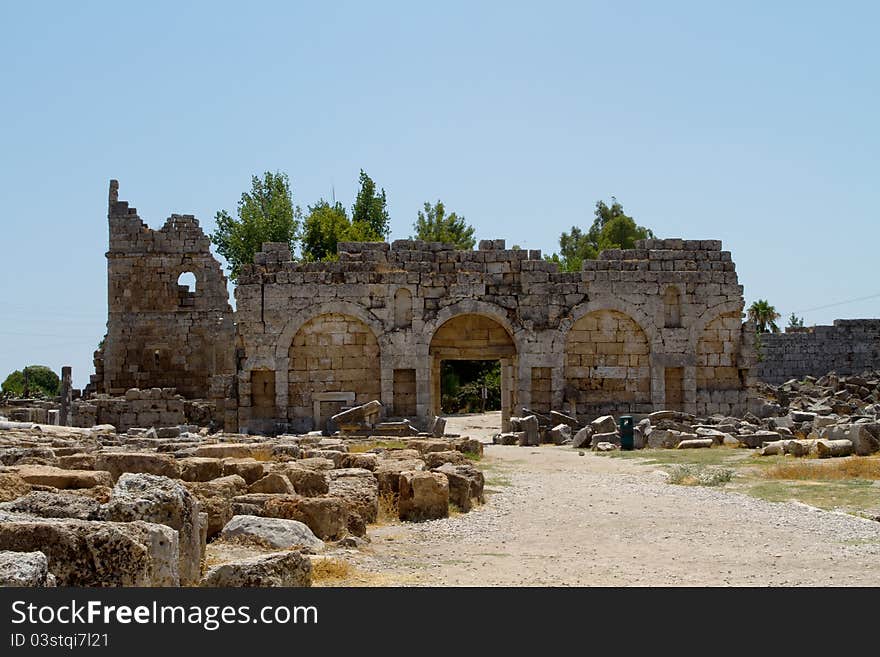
(658, 326)
(156, 477)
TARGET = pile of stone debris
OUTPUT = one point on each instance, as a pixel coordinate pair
(93, 507)
(830, 416)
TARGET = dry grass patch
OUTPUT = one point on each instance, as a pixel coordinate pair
(388, 509)
(330, 569)
(807, 469)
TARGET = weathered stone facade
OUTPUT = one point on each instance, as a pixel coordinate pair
(850, 346)
(636, 330)
(161, 334)
(613, 338)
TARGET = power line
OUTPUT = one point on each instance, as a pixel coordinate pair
(838, 303)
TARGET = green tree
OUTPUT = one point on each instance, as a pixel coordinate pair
(764, 316)
(434, 225)
(612, 228)
(265, 214)
(324, 226)
(795, 322)
(370, 209)
(41, 380)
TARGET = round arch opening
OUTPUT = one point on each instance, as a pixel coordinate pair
(474, 337)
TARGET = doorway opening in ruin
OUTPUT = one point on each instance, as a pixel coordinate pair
(470, 386)
(467, 353)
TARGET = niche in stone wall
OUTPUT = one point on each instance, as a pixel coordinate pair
(405, 393)
(263, 393)
(403, 308)
(672, 307)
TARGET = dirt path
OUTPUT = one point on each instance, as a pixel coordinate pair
(557, 518)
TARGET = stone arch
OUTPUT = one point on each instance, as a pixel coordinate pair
(340, 307)
(403, 308)
(607, 364)
(333, 359)
(475, 307)
(710, 314)
(598, 303)
(475, 336)
(717, 353)
(671, 307)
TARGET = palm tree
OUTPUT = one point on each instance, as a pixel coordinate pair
(764, 316)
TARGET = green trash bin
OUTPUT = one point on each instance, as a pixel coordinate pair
(626, 432)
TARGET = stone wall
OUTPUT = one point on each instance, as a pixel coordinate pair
(609, 338)
(634, 330)
(156, 407)
(159, 333)
(850, 346)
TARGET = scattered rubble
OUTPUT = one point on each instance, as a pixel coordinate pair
(97, 507)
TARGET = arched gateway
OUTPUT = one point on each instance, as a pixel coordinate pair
(474, 337)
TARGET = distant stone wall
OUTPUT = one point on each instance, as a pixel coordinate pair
(850, 346)
(156, 407)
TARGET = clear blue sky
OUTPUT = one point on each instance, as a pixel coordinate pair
(752, 122)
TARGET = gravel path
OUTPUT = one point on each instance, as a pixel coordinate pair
(556, 518)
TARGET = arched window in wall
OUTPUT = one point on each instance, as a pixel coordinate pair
(186, 288)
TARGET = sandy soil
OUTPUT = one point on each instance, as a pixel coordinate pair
(556, 517)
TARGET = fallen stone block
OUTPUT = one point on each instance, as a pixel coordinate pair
(696, 443)
(529, 434)
(358, 417)
(582, 437)
(247, 468)
(359, 488)
(275, 532)
(437, 427)
(47, 475)
(833, 448)
(305, 481)
(25, 569)
(161, 500)
(436, 459)
(465, 484)
(288, 568)
(327, 517)
(117, 463)
(42, 504)
(200, 468)
(423, 496)
(272, 483)
(84, 553)
(604, 424)
(215, 500)
(559, 434)
(12, 486)
(610, 437)
(388, 473)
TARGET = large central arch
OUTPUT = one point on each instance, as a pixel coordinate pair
(473, 336)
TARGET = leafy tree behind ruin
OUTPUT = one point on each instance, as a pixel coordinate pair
(370, 210)
(434, 225)
(612, 228)
(328, 224)
(265, 214)
(795, 322)
(41, 381)
(764, 316)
